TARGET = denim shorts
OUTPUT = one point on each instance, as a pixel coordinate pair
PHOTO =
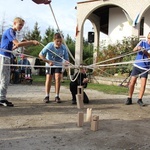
(137, 71)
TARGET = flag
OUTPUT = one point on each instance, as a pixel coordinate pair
(136, 20)
(77, 31)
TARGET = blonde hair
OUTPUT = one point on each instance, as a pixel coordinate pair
(18, 19)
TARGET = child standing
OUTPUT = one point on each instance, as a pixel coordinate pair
(140, 67)
(54, 54)
(9, 43)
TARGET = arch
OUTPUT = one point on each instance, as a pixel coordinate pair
(141, 12)
(94, 16)
(90, 8)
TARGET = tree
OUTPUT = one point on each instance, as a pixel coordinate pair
(117, 53)
(87, 52)
(71, 46)
(49, 34)
(34, 35)
(2, 26)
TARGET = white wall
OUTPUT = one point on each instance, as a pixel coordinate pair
(146, 22)
(118, 25)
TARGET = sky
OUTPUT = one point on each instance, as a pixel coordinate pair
(64, 11)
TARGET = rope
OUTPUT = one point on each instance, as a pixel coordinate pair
(72, 80)
(69, 65)
(13, 52)
(88, 67)
(57, 55)
(123, 55)
(77, 67)
(60, 32)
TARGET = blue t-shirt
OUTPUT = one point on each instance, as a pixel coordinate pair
(7, 42)
(141, 55)
(56, 55)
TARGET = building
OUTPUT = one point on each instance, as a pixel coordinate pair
(115, 18)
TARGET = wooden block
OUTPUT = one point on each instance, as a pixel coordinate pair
(79, 101)
(95, 123)
(89, 114)
(80, 119)
(80, 91)
(95, 118)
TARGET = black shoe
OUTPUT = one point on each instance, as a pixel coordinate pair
(57, 99)
(46, 99)
(6, 103)
(140, 102)
(74, 102)
(129, 101)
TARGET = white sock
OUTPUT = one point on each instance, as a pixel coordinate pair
(57, 95)
(47, 95)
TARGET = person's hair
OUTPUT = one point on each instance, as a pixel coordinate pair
(57, 36)
(82, 66)
(18, 19)
(22, 56)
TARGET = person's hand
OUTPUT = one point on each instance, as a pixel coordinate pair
(66, 63)
(14, 47)
(85, 80)
(146, 53)
(139, 48)
(35, 42)
(50, 63)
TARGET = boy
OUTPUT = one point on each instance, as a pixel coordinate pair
(54, 53)
(140, 68)
(82, 80)
(9, 43)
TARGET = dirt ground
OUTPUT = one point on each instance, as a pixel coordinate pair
(34, 125)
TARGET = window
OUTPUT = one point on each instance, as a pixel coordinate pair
(142, 26)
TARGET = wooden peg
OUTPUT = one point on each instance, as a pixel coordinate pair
(95, 123)
(79, 101)
(89, 114)
(80, 119)
(80, 91)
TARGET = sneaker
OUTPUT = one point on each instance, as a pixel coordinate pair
(46, 99)
(129, 101)
(6, 103)
(57, 99)
(140, 102)
(74, 102)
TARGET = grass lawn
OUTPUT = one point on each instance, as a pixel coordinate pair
(109, 89)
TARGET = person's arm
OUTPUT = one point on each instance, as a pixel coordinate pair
(66, 58)
(85, 80)
(137, 48)
(66, 55)
(140, 47)
(24, 43)
(146, 53)
(44, 52)
(42, 57)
